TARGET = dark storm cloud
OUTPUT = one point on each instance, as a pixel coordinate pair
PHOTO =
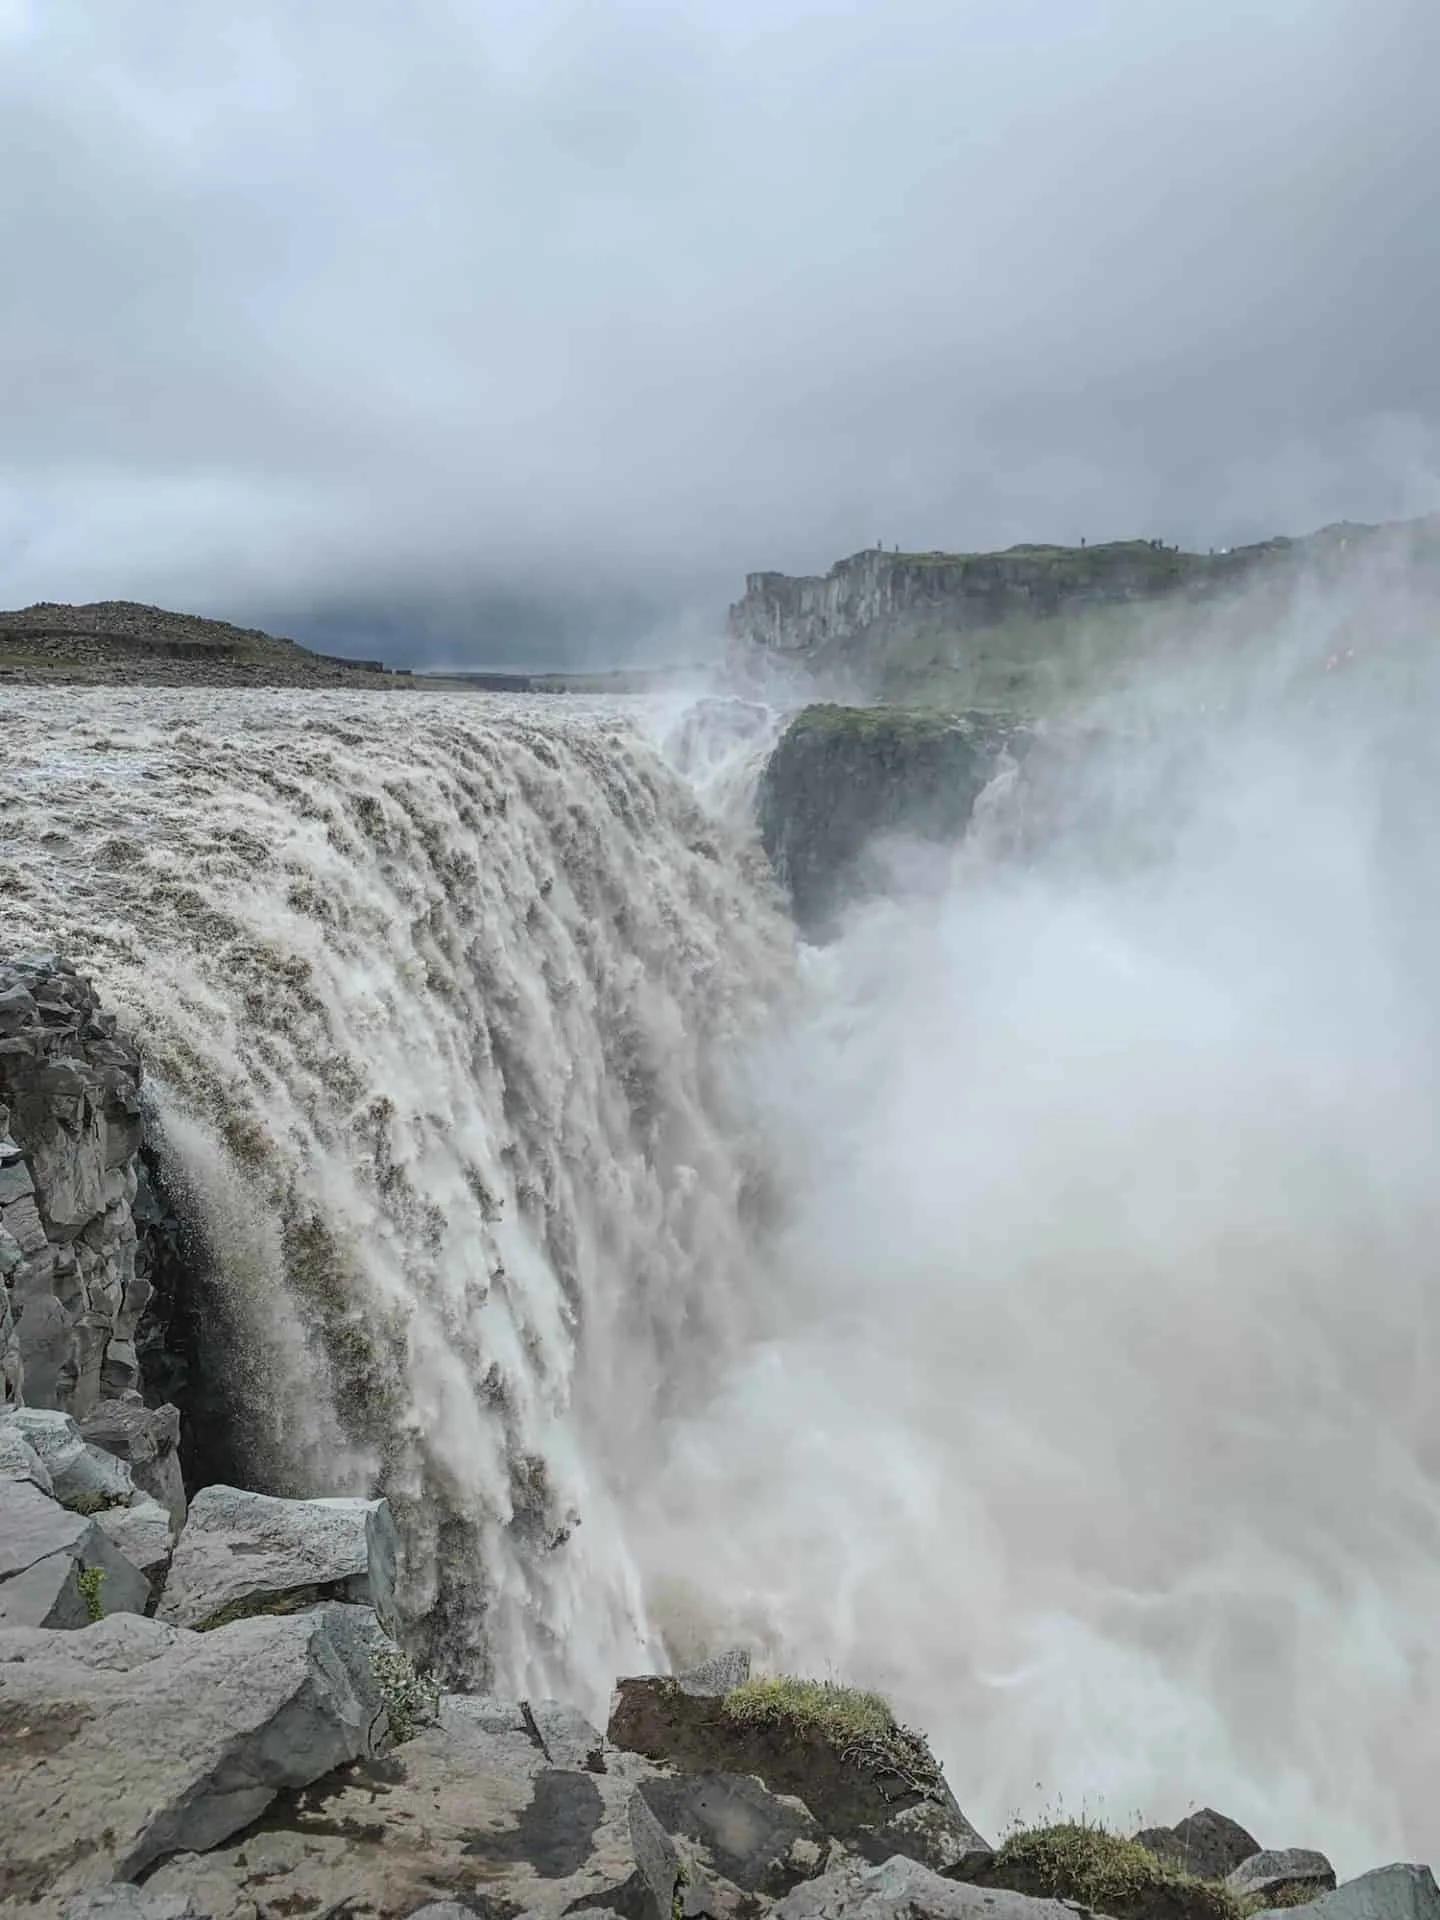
(611, 302)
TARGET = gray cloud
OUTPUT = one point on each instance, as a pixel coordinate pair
(602, 303)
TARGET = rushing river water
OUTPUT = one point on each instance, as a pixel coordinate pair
(1026, 1304)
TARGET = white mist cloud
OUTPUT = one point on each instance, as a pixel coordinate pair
(1091, 1411)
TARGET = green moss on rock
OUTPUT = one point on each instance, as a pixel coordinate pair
(1074, 1860)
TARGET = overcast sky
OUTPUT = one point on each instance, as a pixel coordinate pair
(466, 304)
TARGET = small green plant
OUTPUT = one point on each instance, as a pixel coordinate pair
(859, 1724)
(1081, 1860)
(409, 1701)
(86, 1504)
(677, 1898)
(90, 1580)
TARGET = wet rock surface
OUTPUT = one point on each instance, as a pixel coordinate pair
(70, 1129)
(843, 779)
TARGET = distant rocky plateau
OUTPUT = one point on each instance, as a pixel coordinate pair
(119, 642)
(1036, 627)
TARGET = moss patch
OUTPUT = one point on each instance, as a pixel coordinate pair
(1077, 1861)
(840, 1713)
(91, 1582)
(859, 1726)
(86, 1504)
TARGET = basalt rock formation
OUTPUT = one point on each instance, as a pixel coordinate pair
(1034, 626)
(70, 1132)
(842, 779)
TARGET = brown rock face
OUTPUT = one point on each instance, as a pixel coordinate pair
(874, 1805)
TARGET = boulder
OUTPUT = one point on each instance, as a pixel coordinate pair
(143, 1533)
(741, 1834)
(903, 1889)
(19, 1460)
(134, 1740)
(44, 1551)
(81, 1476)
(1399, 1892)
(1206, 1844)
(877, 1797)
(1282, 1877)
(147, 1439)
(246, 1553)
(567, 1736)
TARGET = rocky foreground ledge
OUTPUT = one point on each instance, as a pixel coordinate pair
(206, 1717)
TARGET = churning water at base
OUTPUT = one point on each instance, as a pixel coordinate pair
(1026, 1304)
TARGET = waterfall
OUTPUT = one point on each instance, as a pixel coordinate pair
(441, 1000)
(1024, 1304)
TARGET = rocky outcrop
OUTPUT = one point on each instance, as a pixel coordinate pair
(132, 1741)
(244, 1553)
(999, 625)
(70, 1128)
(874, 598)
(871, 1787)
(843, 779)
(147, 1439)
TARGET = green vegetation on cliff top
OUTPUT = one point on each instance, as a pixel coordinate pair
(1047, 630)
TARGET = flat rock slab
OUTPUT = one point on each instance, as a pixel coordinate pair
(1400, 1892)
(902, 1889)
(461, 1813)
(247, 1553)
(134, 1740)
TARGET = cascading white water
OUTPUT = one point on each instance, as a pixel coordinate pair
(1037, 1319)
(440, 998)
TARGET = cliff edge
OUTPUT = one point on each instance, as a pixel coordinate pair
(1035, 624)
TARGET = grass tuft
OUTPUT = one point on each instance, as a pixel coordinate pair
(841, 1713)
(1075, 1860)
(858, 1725)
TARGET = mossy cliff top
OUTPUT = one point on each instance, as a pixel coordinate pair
(1038, 628)
(841, 778)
